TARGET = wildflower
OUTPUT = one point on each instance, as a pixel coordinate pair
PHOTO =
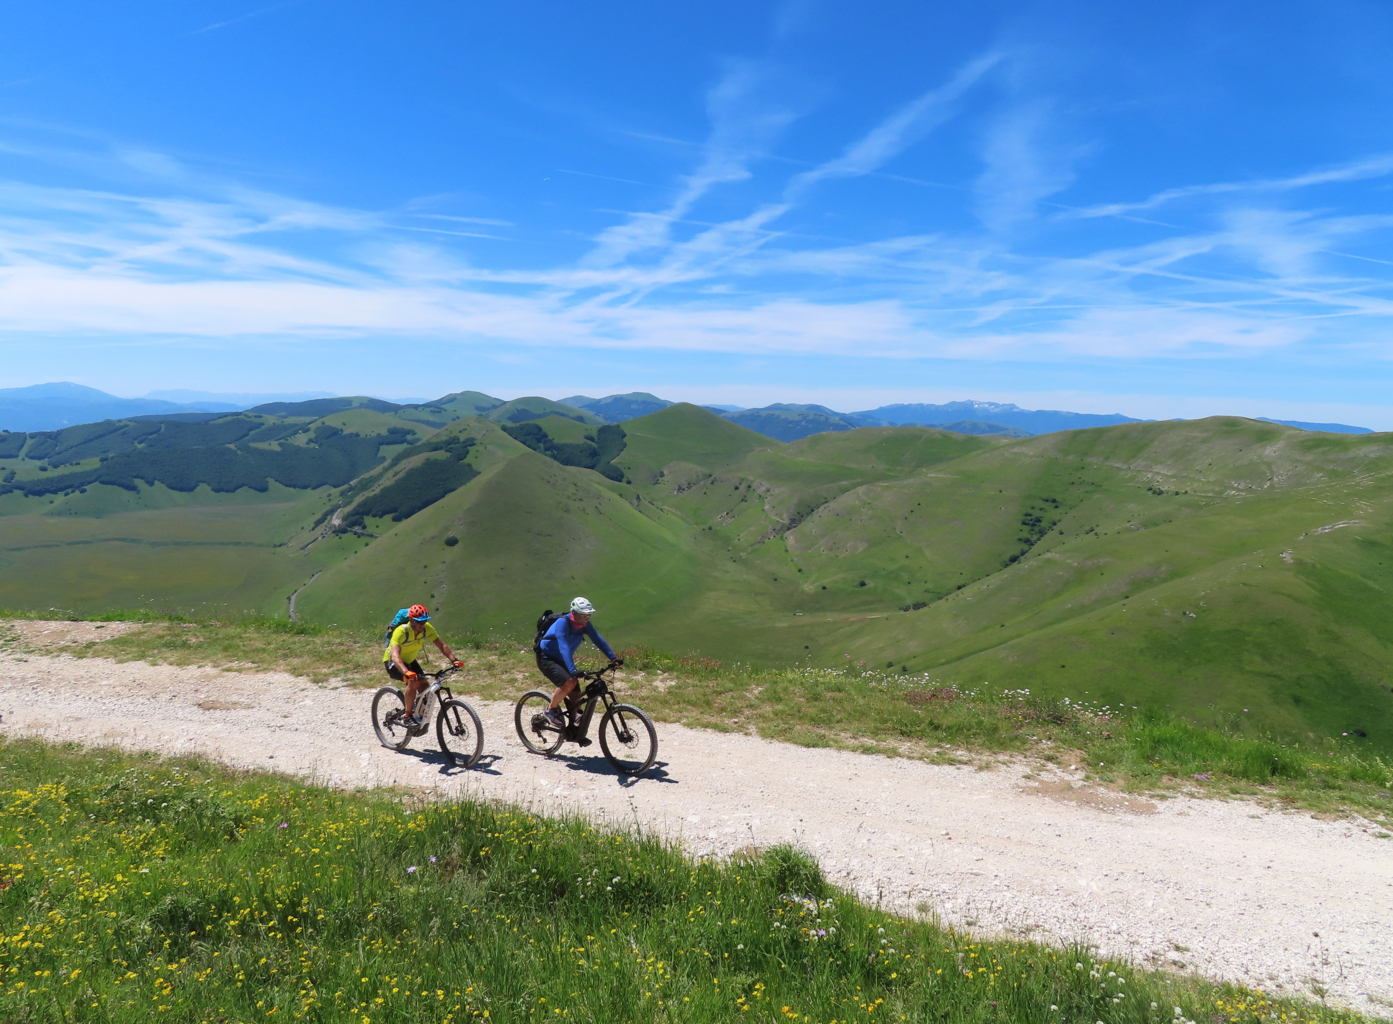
(411, 870)
(432, 858)
(284, 824)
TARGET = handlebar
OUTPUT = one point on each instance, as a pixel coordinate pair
(435, 677)
(599, 673)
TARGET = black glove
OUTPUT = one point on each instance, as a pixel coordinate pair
(617, 663)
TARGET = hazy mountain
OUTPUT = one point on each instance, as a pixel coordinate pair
(62, 404)
(786, 422)
(1329, 428)
(1043, 421)
(232, 400)
(618, 408)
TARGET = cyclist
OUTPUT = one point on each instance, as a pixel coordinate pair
(556, 653)
(402, 651)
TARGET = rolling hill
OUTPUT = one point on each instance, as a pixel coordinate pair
(1226, 567)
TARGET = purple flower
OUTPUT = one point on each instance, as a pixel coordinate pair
(411, 870)
(284, 824)
(432, 858)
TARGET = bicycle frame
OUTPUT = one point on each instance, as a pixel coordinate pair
(595, 693)
(436, 688)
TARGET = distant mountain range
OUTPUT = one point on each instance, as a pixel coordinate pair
(58, 405)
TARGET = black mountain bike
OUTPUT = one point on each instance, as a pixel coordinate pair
(457, 727)
(627, 735)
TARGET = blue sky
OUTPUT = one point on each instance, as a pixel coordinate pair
(1162, 210)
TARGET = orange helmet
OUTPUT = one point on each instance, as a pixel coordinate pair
(418, 613)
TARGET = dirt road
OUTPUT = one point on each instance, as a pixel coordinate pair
(1275, 900)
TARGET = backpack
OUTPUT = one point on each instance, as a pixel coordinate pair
(543, 624)
(400, 619)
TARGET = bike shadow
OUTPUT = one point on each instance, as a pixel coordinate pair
(448, 766)
(594, 765)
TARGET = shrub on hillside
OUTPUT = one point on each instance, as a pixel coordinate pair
(420, 486)
(599, 456)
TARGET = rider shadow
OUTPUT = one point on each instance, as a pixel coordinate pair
(592, 765)
(448, 766)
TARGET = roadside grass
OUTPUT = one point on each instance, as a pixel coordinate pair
(134, 887)
(898, 714)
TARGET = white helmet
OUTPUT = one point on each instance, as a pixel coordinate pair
(582, 607)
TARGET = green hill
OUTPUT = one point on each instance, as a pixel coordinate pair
(1214, 566)
(521, 410)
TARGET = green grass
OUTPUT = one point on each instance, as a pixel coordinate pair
(134, 888)
(1147, 749)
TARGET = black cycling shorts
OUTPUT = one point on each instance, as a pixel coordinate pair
(395, 672)
(557, 673)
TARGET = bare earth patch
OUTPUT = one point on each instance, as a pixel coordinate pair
(1227, 889)
(41, 634)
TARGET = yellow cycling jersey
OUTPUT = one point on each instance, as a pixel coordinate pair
(410, 642)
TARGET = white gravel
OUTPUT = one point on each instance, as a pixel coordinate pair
(1274, 900)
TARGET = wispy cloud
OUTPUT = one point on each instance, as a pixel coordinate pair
(246, 17)
(745, 120)
(1370, 167)
(897, 132)
(1024, 164)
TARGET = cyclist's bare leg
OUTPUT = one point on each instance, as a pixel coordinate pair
(562, 691)
(413, 690)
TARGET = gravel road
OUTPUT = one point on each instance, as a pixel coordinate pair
(1275, 900)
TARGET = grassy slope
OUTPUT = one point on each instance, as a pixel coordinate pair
(1219, 599)
(529, 532)
(138, 888)
(190, 553)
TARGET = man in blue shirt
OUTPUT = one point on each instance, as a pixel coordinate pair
(556, 653)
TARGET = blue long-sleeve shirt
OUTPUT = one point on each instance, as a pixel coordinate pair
(562, 639)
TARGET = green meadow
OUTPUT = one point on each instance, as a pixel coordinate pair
(1233, 572)
(134, 889)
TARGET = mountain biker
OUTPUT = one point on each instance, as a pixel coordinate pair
(404, 648)
(556, 653)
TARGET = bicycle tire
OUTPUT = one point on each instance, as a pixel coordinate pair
(465, 733)
(632, 735)
(388, 709)
(531, 704)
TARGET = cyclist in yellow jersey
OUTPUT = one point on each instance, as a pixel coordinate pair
(405, 647)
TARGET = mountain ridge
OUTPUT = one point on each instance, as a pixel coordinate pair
(63, 404)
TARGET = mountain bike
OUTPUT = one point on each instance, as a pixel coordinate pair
(627, 736)
(457, 727)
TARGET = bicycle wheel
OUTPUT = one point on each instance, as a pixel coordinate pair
(628, 739)
(388, 710)
(459, 732)
(537, 735)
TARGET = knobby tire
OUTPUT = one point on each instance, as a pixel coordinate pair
(459, 732)
(637, 755)
(393, 735)
(530, 704)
